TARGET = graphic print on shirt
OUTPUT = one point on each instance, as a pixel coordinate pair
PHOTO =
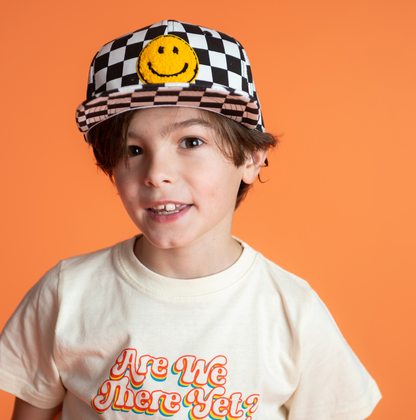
(206, 397)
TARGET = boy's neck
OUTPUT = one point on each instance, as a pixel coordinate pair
(199, 260)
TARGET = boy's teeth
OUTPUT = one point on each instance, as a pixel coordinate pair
(167, 207)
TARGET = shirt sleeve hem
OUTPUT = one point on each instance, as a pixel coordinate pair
(24, 391)
(360, 410)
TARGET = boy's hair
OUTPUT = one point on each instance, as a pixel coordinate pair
(235, 141)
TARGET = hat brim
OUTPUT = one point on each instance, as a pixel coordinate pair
(231, 103)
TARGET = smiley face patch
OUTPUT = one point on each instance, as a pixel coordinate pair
(167, 59)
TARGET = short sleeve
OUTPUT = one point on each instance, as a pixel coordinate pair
(27, 367)
(333, 383)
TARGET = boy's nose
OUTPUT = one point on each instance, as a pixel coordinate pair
(159, 170)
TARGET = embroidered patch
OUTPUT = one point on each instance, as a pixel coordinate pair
(167, 59)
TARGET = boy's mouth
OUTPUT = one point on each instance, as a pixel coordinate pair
(168, 208)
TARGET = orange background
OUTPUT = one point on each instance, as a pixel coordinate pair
(337, 78)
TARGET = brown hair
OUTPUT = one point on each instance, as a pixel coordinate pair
(236, 142)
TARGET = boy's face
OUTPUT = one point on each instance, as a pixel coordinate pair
(173, 160)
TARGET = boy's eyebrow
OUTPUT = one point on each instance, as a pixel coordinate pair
(179, 125)
(187, 123)
(190, 122)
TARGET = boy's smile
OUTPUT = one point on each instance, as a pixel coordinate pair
(178, 187)
(168, 212)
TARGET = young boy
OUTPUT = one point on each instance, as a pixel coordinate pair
(182, 320)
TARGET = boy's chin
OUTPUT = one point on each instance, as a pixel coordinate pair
(152, 242)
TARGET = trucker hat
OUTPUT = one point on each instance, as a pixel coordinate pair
(171, 63)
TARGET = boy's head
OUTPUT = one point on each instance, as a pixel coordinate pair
(173, 64)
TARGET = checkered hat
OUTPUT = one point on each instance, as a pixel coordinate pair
(136, 71)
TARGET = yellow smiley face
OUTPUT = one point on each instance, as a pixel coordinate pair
(167, 59)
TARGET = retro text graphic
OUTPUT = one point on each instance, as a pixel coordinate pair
(201, 388)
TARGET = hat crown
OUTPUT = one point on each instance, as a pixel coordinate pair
(222, 58)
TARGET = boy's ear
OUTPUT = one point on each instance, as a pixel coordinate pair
(254, 165)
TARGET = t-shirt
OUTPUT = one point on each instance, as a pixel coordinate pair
(112, 339)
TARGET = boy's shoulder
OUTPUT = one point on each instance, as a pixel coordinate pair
(283, 279)
(281, 283)
(280, 294)
(83, 266)
(94, 259)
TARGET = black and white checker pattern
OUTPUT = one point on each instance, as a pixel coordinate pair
(224, 83)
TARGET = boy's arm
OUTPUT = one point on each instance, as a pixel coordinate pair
(26, 411)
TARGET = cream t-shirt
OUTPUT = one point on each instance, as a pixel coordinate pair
(112, 339)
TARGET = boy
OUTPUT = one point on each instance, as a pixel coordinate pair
(182, 320)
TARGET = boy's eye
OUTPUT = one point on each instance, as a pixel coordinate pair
(134, 151)
(190, 143)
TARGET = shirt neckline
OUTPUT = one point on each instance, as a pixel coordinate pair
(155, 284)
